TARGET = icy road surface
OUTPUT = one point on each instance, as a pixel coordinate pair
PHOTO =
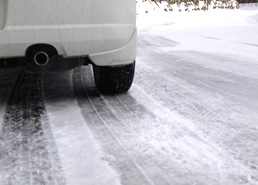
(191, 116)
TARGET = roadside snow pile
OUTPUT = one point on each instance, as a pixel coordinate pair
(149, 14)
(184, 5)
(254, 18)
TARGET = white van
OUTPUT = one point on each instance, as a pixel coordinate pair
(56, 35)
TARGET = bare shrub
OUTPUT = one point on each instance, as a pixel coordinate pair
(195, 4)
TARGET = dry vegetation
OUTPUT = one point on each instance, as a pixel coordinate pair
(247, 1)
(197, 1)
(200, 4)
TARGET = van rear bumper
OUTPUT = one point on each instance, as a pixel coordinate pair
(121, 56)
(94, 40)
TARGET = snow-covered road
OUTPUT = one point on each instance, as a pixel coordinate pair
(191, 116)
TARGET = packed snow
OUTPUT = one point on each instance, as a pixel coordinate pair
(189, 118)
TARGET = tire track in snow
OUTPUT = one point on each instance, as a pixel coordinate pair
(217, 95)
(112, 133)
(218, 119)
(27, 151)
(130, 133)
(7, 78)
(163, 145)
(166, 139)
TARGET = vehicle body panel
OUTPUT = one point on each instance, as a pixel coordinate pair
(75, 28)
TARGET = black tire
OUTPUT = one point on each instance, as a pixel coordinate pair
(114, 80)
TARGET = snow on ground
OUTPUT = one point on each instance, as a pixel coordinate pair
(228, 30)
(189, 118)
(151, 14)
(203, 65)
(79, 152)
(225, 25)
(182, 122)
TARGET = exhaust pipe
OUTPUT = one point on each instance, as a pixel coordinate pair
(41, 58)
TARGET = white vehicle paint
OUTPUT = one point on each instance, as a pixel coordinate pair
(46, 35)
(104, 31)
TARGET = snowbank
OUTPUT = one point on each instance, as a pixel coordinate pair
(149, 14)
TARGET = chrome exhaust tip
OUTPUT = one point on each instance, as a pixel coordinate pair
(41, 58)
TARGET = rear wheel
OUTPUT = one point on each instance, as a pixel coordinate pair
(112, 80)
